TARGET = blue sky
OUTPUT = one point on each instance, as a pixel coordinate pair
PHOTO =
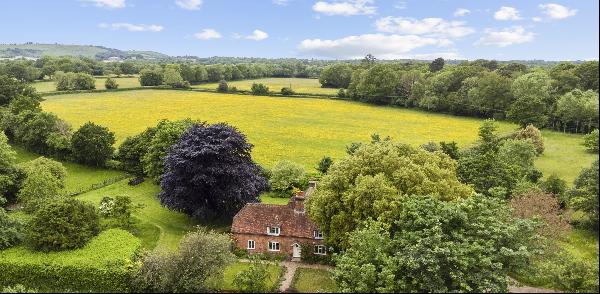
(332, 29)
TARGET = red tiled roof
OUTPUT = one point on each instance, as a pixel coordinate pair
(254, 218)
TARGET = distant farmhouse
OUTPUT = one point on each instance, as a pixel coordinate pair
(268, 228)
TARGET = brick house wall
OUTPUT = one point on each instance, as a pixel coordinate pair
(262, 243)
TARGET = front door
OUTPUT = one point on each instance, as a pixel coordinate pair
(296, 251)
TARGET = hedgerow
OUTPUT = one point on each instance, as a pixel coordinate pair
(103, 265)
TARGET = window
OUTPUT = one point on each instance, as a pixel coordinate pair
(318, 234)
(251, 244)
(273, 246)
(273, 231)
(320, 249)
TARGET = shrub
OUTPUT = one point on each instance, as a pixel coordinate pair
(111, 84)
(532, 133)
(18, 288)
(151, 77)
(103, 265)
(255, 279)
(431, 147)
(133, 149)
(198, 265)
(118, 211)
(555, 185)
(584, 194)
(44, 181)
(286, 91)
(11, 230)
(590, 141)
(450, 148)
(308, 255)
(62, 224)
(286, 175)
(259, 89)
(539, 205)
(342, 93)
(223, 87)
(93, 144)
(324, 164)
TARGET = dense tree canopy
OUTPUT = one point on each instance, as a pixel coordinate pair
(93, 144)
(133, 149)
(584, 195)
(336, 76)
(470, 245)
(532, 91)
(209, 173)
(372, 183)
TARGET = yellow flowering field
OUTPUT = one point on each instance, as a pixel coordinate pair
(49, 86)
(305, 86)
(299, 129)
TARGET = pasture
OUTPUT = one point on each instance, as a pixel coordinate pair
(301, 86)
(299, 129)
(124, 83)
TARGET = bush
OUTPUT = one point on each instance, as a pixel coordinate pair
(103, 265)
(93, 144)
(342, 93)
(197, 267)
(590, 141)
(555, 185)
(450, 148)
(539, 205)
(63, 224)
(308, 255)
(259, 89)
(223, 87)
(584, 195)
(287, 175)
(45, 180)
(111, 84)
(286, 91)
(11, 230)
(18, 288)
(532, 133)
(118, 212)
(255, 279)
(133, 149)
(324, 164)
(151, 77)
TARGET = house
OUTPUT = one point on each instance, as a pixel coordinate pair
(278, 229)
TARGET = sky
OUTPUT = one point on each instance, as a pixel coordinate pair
(324, 29)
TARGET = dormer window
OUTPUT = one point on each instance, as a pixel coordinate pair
(273, 231)
(318, 234)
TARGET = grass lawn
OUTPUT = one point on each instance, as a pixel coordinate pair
(155, 220)
(275, 272)
(49, 86)
(78, 176)
(307, 280)
(303, 86)
(268, 198)
(298, 129)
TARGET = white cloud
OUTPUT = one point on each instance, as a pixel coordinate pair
(556, 11)
(536, 19)
(426, 26)
(461, 12)
(132, 27)
(380, 45)
(507, 13)
(505, 37)
(346, 8)
(207, 34)
(400, 5)
(281, 2)
(108, 3)
(189, 4)
(257, 35)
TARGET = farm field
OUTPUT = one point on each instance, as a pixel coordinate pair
(49, 86)
(304, 86)
(290, 128)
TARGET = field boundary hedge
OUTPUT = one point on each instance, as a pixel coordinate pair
(100, 185)
(103, 265)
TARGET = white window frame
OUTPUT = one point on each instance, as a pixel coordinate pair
(276, 233)
(320, 250)
(318, 234)
(253, 244)
(273, 244)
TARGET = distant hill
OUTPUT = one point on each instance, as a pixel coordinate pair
(35, 50)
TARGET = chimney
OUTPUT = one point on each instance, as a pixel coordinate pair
(297, 202)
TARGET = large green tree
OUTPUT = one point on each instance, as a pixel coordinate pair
(470, 245)
(532, 93)
(372, 182)
(93, 144)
